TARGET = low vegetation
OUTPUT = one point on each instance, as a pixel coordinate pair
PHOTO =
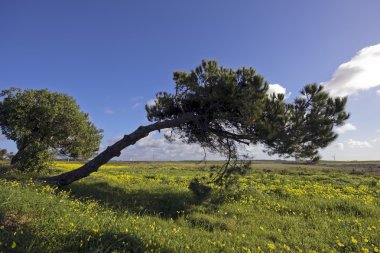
(147, 207)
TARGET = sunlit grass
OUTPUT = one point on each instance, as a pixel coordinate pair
(71, 166)
(147, 207)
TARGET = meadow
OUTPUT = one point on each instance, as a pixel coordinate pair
(147, 207)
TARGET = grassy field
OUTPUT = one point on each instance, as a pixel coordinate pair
(147, 207)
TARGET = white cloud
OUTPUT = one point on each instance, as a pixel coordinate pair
(339, 146)
(346, 127)
(358, 144)
(151, 102)
(376, 140)
(156, 147)
(278, 89)
(109, 111)
(378, 92)
(360, 73)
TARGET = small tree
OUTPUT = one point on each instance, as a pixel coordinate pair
(219, 108)
(44, 124)
(3, 154)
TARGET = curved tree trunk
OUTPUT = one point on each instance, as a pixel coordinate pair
(15, 158)
(20, 148)
(115, 150)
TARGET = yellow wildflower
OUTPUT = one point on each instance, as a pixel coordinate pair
(340, 244)
(271, 246)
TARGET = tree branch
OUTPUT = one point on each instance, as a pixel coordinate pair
(115, 149)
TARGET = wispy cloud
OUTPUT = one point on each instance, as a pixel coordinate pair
(378, 92)
(346, 127)
(136, 99)
(358, 144)
(109, 111)
(339, 145)
(135, 105)
(278, 89)
(360, 73)
(156, 147)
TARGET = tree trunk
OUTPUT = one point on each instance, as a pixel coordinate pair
(21, 146)
(15, 158)
(115, 150)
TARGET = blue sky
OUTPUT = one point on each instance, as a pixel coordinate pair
(113, 56)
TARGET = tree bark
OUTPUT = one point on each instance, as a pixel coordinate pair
(15, 158)
(115, 150)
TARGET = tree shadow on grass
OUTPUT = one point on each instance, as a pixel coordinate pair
(80, 241)
(164, 203)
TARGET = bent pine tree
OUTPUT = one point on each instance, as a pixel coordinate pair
(219, 108)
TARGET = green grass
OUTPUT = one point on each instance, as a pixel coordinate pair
(146, 207)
